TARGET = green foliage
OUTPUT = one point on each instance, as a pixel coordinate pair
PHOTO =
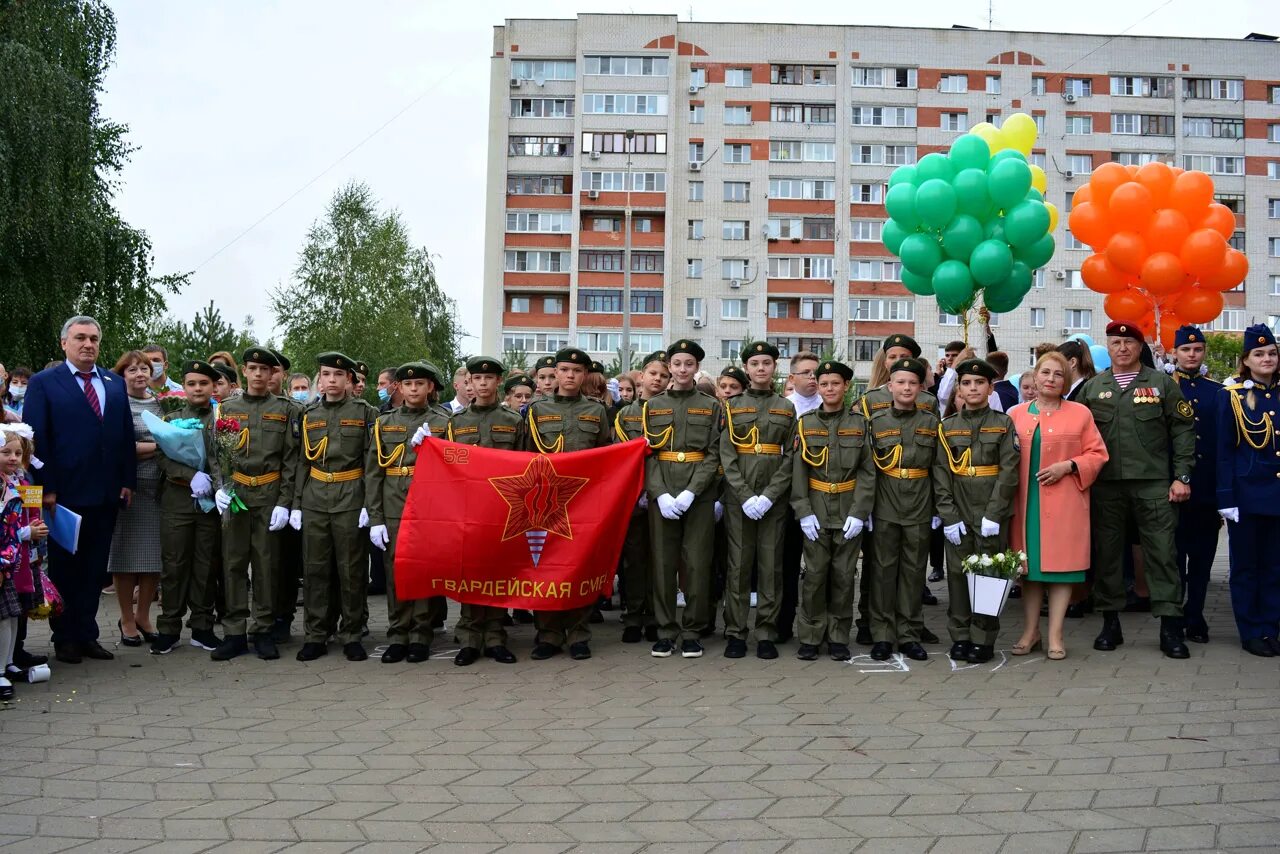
(1222, 354)
(207, 334)
(615, 367)
(362, 288)
(63, 248)
(516, 361)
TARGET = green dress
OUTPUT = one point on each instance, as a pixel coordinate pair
(1033, 522)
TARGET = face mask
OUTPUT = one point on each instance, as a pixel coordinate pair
(157, 370)
(301, 396)
(17, 391)
(383, 395)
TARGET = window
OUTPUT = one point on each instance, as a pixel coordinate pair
(874, 270)
(793, 150)
(737, 77)
(882, 309)
(695, 229)
(884, 78)
(693, 268)
(626, 66)
(542, 108)
(535, 342)
(1275, 286)
(539, 222)
(1273, 133)
(865, 230)
(1140, 158)
(1038, 118)
(646, 302)
(698, 77)
(539, 146)
(883, 155)
(1232, 201)
(1273, 169)
(1037, 85)
(1075, 282)
(945, 319)
(1273, 208)
(1214, 89)
(696, 191)
(601, 342)
(801, 267)
(737, 191)
(866, 194)
(553, 305)
(536, 261)
(784, 346)
(735, 229)
(617, 143)
(954, 83)
(898, 117)
(1081, 87)
(693, 308)
(815, 309)
(697, 114)
(596, 261)
(520, 305)
(734, 268)
(1231, 320)
(642, 224)
(697, 152)
(733, 309)
(1142, 87)
(801, 188)
(535, 185)
(1037, 318)
(779, 308)
(625, 104)
(954, 121)
(737, 152)
(993, 84)
(1214, 165)
(1236, 240)
(864, 349)
(786, 227)
(1273, 247)
(992, 118)
(646, 262)
(1037, 159)
(1079, 318)
(819, 229)
(1080, 125)
(1037, 278)
(739, 115)
(815, 114)
(598, 301)
(542, 69)
(641, 182)
(606, 223)
(803, 75)
(730, 348)
(1072, 242)
(1216, 128)
(1080, 163)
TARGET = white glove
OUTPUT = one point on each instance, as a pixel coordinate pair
(935, 522)
(719, 511)
(279, 518)
(423, 432)
(871, 522)
(364, 518)
(749, 507)
(953, 533)
(809, 524)
(24, 534)
(614, 391)
(667, 507)
(378, 536)
(852, 528)
(201, 485)
(684, 500)
(762, 506)
(222, 499)
(643, 502)
(1231, 514)
(989, 528)
(295, 520)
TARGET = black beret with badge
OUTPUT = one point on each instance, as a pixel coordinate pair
(976, 367)
(595, 368)
(518, 380)
(362, 368)
(913, 366)
(414, 371)
(228, 372)
(834, 367)
(905, 341)
(337, 360)
(736, 373)
(260, 356)
(544, 362)
(282, 359)
(573, 356)
(684, 345)
(759, 348)
(201, 367)
(485, 365)
(655, 356)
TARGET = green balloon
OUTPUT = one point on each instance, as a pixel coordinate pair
(919, 285)
(991, 262)
(1008, 295)
(1037, 254)
(961, 237)
(935, 202)
(1033, 195)
(1007, 154)
(903, 175)
(993, 229)
(1025, 223)
(892, 234)
(935, 165)
(1008, 182)
(970, 152)
(953, 286)
(971, 192)
(900, 201)
(921, 254)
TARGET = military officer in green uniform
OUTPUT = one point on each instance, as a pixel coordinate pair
(758, 433)
(567, 421)
(682, 426)
(1149, 430)
(263, 470)
(190, 536)
(975, 480)
(904, 441)
(488, 424)
(329, 510)
(833, 486)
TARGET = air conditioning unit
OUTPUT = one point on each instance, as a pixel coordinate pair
(516, 82)
(695, 166)
(595, 155)
(1059, 274)
(735, 283)
(697, 324)
(693, 88)
(1066, 330)
(593, 194)
(1068, 175)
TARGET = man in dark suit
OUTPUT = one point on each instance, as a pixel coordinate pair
(84, 436)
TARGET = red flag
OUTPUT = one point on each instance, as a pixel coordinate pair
(516, 530)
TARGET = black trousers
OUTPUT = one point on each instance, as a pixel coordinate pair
(80, 577)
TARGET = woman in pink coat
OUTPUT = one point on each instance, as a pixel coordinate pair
(1062, 453)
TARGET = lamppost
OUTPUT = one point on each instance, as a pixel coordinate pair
(624, 355)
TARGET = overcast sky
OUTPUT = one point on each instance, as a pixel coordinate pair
(239, 105)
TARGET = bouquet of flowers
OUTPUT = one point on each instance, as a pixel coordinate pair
(1006, 564)
(228, 441)
(182, 441)
(990, 578)
(171, 401)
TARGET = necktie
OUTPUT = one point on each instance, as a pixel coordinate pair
(91, 394)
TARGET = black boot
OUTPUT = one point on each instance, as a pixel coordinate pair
(1171, 640)
(231, 646)
(1110, 637)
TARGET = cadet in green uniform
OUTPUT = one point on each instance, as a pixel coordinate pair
(336, 434)
(682, 426)
(490, 425)
(544, 374)
(758, 433)
(975, 480)
(833, 486)
(638, 619)
(905, 438)
(566, 422)
(1149, 430)
(517, 391)
(288, 546)
(388, 471)
(262, 478)
(190, 535)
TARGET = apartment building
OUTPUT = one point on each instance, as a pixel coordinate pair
(751, 160)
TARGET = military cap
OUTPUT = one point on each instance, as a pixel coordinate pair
(1124, 329)
(595, 368)
(1258, 335)
(226, 371)
(977, 367)
(573, 356)
(336, 360)
(737, 374)
(834, 367)
(415, 371)
(899, 340)
(199, 366)
(912, 365)
(282, 359)
(544, 362)
(260, 356)
(518, 379)
(433, 373)
(485, 365)
(759, 348)
(655, 356)
(362, 368)
(684, 345)
(1188, 334)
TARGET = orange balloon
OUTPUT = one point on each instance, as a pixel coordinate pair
(1192, 193)
(1162, 274)
(1203, 252)
(1167, 232)
(1132, 169)
(1131, 207)
(1089, 224)
(1220, 219)
(1099, 276)
(1168, 330)
(1158, 178)
(1235, 266)
(1128, 305)
(1197, 305)
(1082, 195)
(1127, 251)
(1176, 170)
(1104, 181)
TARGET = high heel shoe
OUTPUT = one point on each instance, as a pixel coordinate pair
(126, 640)
(1056, 654)
(1025, 649)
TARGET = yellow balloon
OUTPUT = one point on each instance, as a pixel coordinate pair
(997, 141)
(1020, 132)
(1038, 179)
(988, 133)
(1053, 214)
(981, 128)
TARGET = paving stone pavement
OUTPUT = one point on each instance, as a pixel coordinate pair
(1124, 751)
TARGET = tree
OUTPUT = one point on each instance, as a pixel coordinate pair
(362, 288)
(63, 248)
(207, 334)
(516, 361)
(1222, 354)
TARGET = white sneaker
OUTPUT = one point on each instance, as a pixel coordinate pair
(753, 600)
(679, 598)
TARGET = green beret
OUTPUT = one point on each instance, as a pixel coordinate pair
(336, 360)
(573, 356)
(845, 372)
(518, 379)
(433, 373)
(595, 368)
(260, 356)
(282, 359)
(977, 367)
(737, 374)
(201, 367)
(485, 365)
(759, 348)
(914, 366)
(227, 371)
(544, 362)
(655, 356)
(684, 345)
(902, 341)
(415, 371)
